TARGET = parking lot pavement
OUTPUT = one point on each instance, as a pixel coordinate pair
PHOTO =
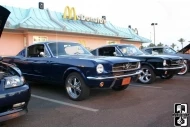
(138, 105)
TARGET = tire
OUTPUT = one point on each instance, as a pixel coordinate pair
(76, 88)
(120, 88)
(166, 76)
(147, 76)
(184, 71)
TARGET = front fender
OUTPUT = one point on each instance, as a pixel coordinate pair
(74, 69)
(148, 64)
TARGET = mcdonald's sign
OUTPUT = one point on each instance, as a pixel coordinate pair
(70, 13)
(82, 42)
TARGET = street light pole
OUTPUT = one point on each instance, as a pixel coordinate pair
(153, 24)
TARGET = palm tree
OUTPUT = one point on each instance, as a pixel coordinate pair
(173, 45)
(160, 44)
(151, 45)
(182, 41)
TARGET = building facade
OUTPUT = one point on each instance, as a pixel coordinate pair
(27, 26)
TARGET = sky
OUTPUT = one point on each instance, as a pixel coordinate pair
(172, 16)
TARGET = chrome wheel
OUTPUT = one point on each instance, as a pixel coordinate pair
(184, 70)
(145, 76)
(73, 87)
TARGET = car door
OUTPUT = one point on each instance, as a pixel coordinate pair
(22, 63)
(40, 64)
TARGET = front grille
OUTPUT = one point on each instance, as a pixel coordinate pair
(176, 62)
(125, 66)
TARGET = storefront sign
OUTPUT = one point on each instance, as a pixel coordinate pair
(37, 39)
(111, 42)
(70, 13)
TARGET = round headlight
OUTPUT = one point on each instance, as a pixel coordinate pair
(185, 61)
(100, 68)
(165, 63)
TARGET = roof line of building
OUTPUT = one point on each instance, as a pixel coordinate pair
(55, 21)
(35, 20)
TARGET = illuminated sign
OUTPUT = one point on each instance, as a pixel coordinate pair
(82, 42)
(70, 13)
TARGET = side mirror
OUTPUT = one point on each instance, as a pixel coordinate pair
(42, 54)
(115, 54)
(1, 58)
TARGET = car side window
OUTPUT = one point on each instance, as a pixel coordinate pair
(157, 51)
(108, 51)
(149, 51)
(22, 53)
(37, 51)
(94, 52)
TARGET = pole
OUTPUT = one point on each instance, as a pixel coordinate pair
(154, 35)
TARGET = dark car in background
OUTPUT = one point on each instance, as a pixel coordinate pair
(14, 92)
(159, 65)
(169, 51)
(74, 67)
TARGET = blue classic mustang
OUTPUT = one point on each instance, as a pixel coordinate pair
(14, 92)
(73, 66)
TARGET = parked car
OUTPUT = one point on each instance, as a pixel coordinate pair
(14, 92)
(73, 66)
(169, 51)
(161, 65)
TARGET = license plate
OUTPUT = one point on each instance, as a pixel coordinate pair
(126, 81)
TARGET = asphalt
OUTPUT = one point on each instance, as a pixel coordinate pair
(139, 105)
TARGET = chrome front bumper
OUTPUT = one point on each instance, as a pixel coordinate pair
(114, 77)
(172, 68)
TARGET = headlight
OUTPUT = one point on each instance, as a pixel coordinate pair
(139, 65)
(165, 63)
(100, 68)
(14, 81)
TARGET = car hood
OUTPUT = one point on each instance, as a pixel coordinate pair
(9, 67)
(185, 56)
(101, 59)
(4, 14)
(166, 57)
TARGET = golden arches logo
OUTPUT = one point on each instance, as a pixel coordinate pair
(82, 42)
(70, 13)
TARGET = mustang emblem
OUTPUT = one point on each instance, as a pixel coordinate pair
(127, 66)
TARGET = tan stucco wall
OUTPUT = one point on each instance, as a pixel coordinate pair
(90, 41)
(137, 44)
(12, 43)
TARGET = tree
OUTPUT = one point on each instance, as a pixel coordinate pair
(151, 45)
(182, 41)
(160, 44)
(141, 47)
(173, 45)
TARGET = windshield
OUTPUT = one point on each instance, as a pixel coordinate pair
(169, 51)
(62, 49)
(130, 50)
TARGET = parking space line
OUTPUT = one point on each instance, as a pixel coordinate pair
(65, 103)
(145, 86)
(182, 77)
